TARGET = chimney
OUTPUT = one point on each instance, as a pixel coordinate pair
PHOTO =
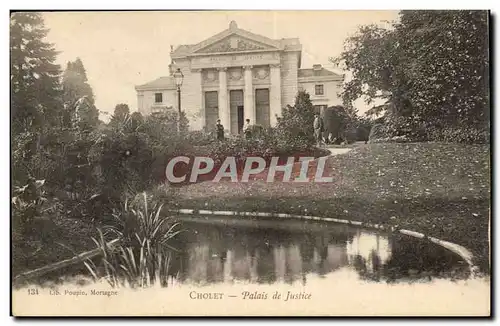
(317, 67)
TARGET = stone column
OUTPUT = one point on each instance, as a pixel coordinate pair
(249, 104)
(198, 96)
(275, 93)
(224, 114)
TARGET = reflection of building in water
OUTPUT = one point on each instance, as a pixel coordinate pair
(329, 252)
(333, 258)
(265, 265)
(368, 252)
(288, 263)
(205, 256)
(294, 263)
(319, 253)
(198, 263)
(241, 262)
(265, 255)
(228, 266)
(279, 263)
(219, 255)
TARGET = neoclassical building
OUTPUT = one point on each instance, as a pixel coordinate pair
(237, 75)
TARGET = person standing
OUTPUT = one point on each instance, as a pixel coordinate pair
(318, 129)
(219, 130)
(247, 131)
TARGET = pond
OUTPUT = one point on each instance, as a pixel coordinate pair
(224, 250)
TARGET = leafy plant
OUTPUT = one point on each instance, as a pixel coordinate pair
(143, 256)
(27, 203)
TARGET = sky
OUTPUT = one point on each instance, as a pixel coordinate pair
(123, 49)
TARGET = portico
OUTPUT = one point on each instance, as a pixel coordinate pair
(247, 87)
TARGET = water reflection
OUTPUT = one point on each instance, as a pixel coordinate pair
(289, 252)
(368, 253)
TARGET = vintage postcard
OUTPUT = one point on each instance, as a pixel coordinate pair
(250, 163)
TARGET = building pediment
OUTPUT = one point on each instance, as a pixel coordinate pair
(235, 43)
(231, 40)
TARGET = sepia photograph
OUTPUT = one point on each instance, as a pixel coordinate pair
(332, 163)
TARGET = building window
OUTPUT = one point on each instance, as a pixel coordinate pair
(318, 90)
(158, 98)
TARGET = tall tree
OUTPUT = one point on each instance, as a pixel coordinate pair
(432, 68)
(303, 109)
(78, 95)
(35, 86)
(75, 83)
(297, 121)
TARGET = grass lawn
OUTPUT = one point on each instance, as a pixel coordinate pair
(442, 190)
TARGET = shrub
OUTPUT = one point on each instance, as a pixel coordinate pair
(413, 127)
(377, 132)
(267, 143)
(258, 131)
(134, 160)
(362, 133)
(351, 135)
(467, 135)
(200, 138)
(337, 122)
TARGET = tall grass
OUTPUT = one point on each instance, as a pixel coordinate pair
(144, 254)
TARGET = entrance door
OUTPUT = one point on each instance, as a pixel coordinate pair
(211, 110)
(262, 108)
(236, 106)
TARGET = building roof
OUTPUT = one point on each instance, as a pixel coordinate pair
(165, 82)
(286, 44)
(310, 72)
